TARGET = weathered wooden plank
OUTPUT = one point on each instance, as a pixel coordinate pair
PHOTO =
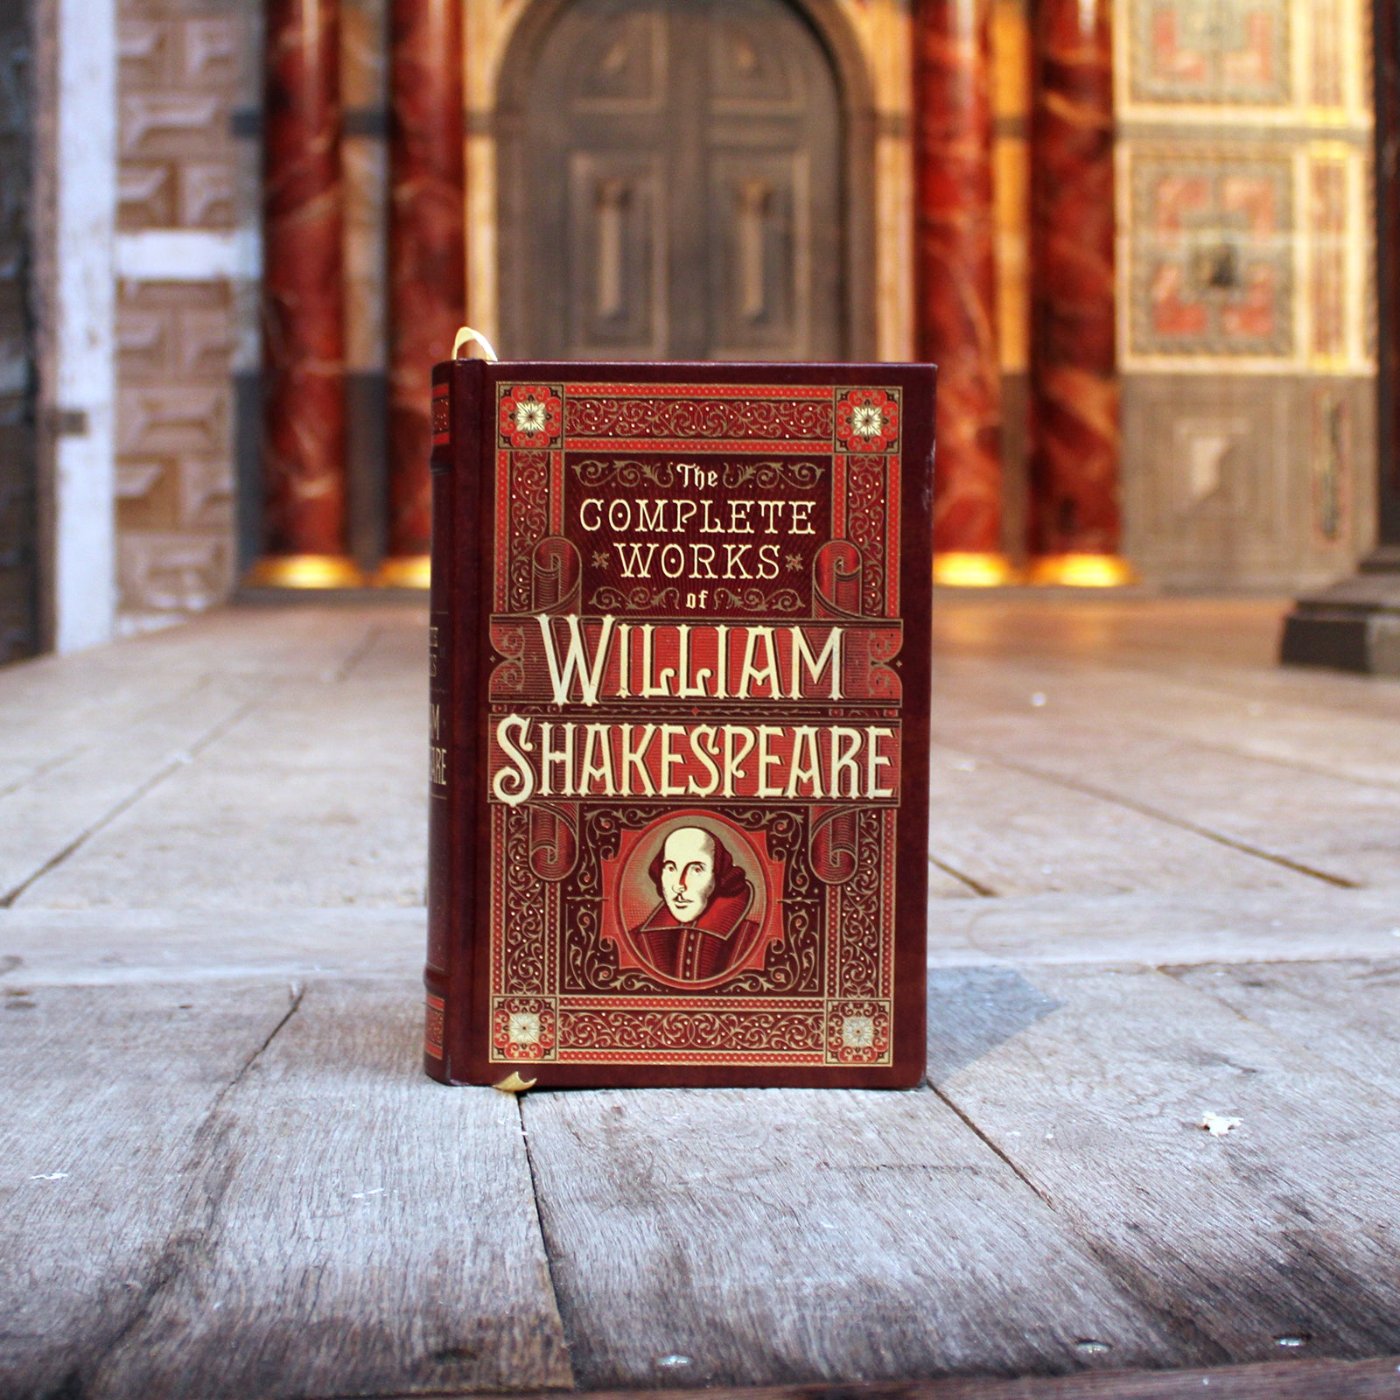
(1347, 1013)
(1203, 926)
(1335, 691)
(1222, 634)
(395, 650)
(1282, 1232)
(54, 724)
(88, 947)
(303, 641)
(316, 797)
(1317, 737)
(106, 1095)
(1278, 1380)
(67, 801)
(100, 946)
(1017, 833)
(767, 1236)
(1341, 829)
(56, 707)
(1230, 645)
(357, 1229)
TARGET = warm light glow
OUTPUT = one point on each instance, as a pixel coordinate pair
(1081, 571)
(304, 571)
(958, 568)
(412, 571)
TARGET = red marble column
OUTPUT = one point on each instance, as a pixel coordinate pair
(955, 270)
(303, 425)
(1074, 514)
(427, 276)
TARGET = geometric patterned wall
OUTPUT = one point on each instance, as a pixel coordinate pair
(185, 189)
(174, 426)
(188, 253)
(1205, 53)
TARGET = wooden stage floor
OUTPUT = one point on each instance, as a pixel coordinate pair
(1164, 885)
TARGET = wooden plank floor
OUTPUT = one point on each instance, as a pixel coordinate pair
(1164, 884)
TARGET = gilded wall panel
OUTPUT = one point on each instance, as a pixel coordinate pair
(1203, 51)
(1011, 72)
(1242, 209)
(365, 161)
(1256, 62)
(1212, 254)
(1246, 255)
(364, 157)
(1245, 288)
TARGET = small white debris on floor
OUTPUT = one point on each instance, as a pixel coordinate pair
(1038, 699)
(1217, 1125)
(50, 1176)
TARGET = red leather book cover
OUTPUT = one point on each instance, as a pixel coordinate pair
(679, 659)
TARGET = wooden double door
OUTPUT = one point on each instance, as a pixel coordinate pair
(678, 190)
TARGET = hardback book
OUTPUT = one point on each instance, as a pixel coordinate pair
(679, 704)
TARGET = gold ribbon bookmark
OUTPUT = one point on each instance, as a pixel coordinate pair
(467, 336)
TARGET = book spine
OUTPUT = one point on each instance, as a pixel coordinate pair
(454, 480)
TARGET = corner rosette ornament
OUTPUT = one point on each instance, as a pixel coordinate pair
(530, 415)
(867, 420)
(523, 1028)
(858, 1033)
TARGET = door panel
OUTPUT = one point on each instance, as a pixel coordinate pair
(620, 64)
(759, 249)
(751, 69)
(616, 256)
(681, 186)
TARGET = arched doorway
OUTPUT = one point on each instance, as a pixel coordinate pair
(671, 177)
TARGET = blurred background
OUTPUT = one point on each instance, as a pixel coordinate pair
(1138, 236)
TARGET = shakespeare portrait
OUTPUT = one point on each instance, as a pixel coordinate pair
(703, 923)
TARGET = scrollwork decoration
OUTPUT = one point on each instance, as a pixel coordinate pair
(629, 475)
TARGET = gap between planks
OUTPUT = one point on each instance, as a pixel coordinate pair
(1131, 804)
(125, 804)
(1377, 1379)
(1018, 832)
(1281, 730)
(257, 1269)
(777, 1236)
(1278, 1230)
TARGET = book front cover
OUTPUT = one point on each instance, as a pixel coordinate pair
(700, 772)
